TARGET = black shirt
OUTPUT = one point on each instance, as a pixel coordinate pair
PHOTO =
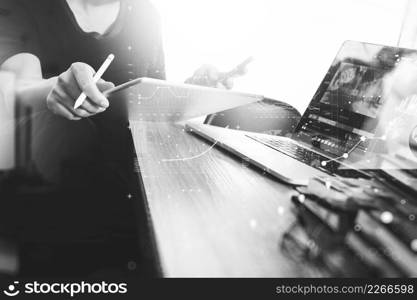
(48, 29)
(62, 150)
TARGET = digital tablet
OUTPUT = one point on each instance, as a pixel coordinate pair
(155, 100)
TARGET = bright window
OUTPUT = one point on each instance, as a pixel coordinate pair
(293, 41)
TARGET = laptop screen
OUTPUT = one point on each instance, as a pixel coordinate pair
(357, 110)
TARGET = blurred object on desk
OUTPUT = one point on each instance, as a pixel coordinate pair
(267, 116)
(373, 219)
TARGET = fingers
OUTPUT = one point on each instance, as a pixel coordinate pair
(206, 75)
(84, 74)
(59, 99)
(91, 107)
(103, 85)
(69, 86)
(229, 82)
(61, 103)
(72, 89)
(57, 108)
(61, 110)
(210, 76)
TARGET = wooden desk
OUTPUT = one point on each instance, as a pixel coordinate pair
(212, 215)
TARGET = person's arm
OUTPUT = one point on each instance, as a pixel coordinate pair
(18, 55)
(58, 93)
(30, 86)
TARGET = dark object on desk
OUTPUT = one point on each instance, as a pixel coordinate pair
(267, 116)
(381, 229)
(326, 240)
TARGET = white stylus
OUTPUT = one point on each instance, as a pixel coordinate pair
(97, 76)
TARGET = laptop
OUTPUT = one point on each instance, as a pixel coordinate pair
(346, 129)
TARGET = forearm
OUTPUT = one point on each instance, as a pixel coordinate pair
(30, 87)
(34, 92)
(58, 93)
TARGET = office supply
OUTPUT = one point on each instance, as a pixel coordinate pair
(372, 256)
(162, 101)
(340, 128)
(80, 100)
(379, 223)
(394, 249)
(323, 228)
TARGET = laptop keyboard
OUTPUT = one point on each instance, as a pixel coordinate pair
(292, 149)
(307, 156)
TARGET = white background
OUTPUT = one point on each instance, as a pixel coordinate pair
(293, 41)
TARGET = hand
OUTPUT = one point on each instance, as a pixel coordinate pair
(208, 75)
(69, 85)
(403, 78)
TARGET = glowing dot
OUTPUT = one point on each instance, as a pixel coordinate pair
(413, 245)
(345, 155)
(131, 265)
(301, 198)
(384, 137)
(324, 163)
(129, 196)
(387, 217)
(328, 185)
(253, 223)
(129, 48)
(11, 287)
(363, 138)
(281, 210)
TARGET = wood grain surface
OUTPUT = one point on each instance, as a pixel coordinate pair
(212, 214)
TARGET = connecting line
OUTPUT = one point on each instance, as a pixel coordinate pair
(192, 157)
(346, 155)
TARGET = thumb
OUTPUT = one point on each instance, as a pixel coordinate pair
(103, 85)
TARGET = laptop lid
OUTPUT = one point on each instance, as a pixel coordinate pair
(350, 117)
